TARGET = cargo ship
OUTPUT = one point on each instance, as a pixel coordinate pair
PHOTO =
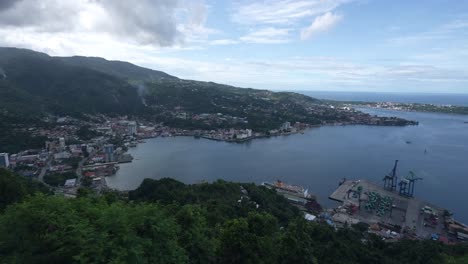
(297, 195)
(294, 190)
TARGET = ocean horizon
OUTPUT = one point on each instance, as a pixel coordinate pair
(459, 99)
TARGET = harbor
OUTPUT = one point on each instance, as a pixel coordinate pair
(389, 210)
(317, 160)
(401, 214)
(392, 211)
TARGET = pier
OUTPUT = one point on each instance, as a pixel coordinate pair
(403, 214)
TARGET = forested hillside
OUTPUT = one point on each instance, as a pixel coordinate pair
(120, 69)
(36, 83)
(165, 221)
(262, 109)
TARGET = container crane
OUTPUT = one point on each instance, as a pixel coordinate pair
(407, 184)
(390, 180)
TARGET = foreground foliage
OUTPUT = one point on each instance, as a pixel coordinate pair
(166, 221)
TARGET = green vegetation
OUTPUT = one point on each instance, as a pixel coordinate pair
(37, 83)
(14, 188)
(120, 69)
(220, 198)
(461, 110)
(264, 110)
(86, 181)
(165, 221)
(14, 134)
(85, 133)
(72, 161)
(429, 108)
(58, 179)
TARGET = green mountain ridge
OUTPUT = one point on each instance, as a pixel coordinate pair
(37, 83)
(120, 69)
(34, 84)
(69, 85)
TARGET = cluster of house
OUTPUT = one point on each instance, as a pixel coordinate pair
(229, 134)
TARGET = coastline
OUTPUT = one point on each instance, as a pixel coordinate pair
(399, 109)
(196, 134)
(326, 151)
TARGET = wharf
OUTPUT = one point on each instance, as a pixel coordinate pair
(406, 212)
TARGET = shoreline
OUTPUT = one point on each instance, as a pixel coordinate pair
(194, 134)
(409, 110)
(121, 185)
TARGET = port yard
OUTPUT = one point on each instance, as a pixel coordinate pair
(387, 212)
(365, 201)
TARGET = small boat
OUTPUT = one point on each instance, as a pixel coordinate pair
(408, 142)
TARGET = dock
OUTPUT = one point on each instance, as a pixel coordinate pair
(401, 213)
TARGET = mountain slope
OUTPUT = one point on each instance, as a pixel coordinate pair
(34, 82)
(121, 69)
(39, 83)
(262, 109)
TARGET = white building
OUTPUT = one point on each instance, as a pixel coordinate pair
(286, 126)
(109, 152)
(62, 155)
(70, 183)
(62, 143)
(241, 136)
(4, 161)
(132, 128)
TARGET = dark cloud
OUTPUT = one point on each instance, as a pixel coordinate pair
(148, 21)
(144, 21)
(42, 15)
(5, 4)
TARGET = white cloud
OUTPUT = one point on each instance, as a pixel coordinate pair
(320, 24)
(286, 14)
(306, 73)
(267, 35)
(281, 11)
(310, 73)
(89, 28)
(444, 33)
(223, 42)
(154, 22)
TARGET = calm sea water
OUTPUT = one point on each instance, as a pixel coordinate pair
(320, 158)
(426, 98)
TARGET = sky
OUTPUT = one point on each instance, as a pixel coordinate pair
(321, 45)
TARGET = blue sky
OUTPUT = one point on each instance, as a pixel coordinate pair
(328, 45)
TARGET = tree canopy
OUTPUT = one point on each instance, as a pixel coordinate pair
(165, 221)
